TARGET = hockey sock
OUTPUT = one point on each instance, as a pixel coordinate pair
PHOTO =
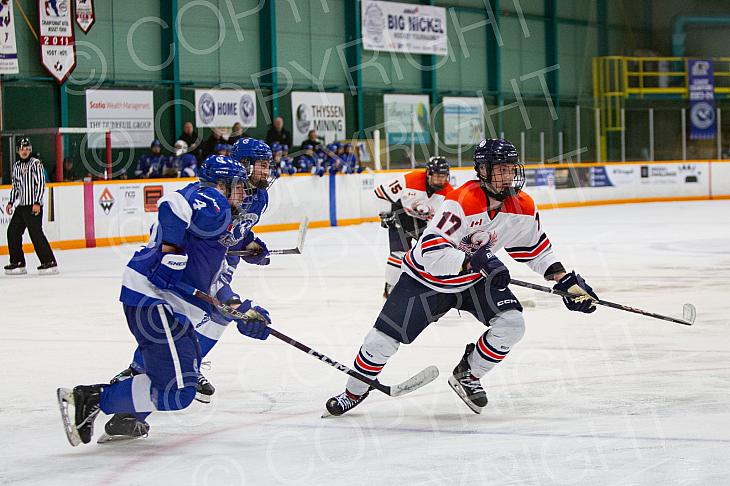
(128, 396)
(491, 348)
(370, 360)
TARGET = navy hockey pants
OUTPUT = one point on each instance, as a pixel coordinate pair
(411, 306)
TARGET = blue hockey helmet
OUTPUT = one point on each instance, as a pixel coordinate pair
(495, 151)
(275, 147)
(218, 169)
(249, 152)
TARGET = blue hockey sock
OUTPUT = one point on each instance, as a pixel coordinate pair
(128, 396)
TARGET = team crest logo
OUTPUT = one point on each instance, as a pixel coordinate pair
(703, 115)
(473, 241)
(247, 109)
(304, 118)
(106, 201)
(420, 211)
(375, 23)
(206, 108)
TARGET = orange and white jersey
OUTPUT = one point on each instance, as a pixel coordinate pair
(462, 224)
(410, 190)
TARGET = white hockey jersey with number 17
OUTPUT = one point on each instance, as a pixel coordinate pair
(462, 224)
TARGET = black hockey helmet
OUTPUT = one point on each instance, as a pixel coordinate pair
(492, 152)
(436, 166)
(22, 142)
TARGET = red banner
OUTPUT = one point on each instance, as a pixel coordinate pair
(85, 14)
(58, 51)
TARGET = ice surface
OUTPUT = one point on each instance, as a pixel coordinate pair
(607, 398)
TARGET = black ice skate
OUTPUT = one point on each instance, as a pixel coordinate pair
(466, 385)
(203, 389)
(15, 269)
(84, 399)
(124, 375)
(123, 426)
(343, 402)
(48, 268)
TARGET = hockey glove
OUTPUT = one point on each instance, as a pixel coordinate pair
(257, 320)
(484, 262)
(388, 220)
(259, 253)
(169, 271)
(584, 295)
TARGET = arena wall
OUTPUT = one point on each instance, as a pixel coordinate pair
(103, 213)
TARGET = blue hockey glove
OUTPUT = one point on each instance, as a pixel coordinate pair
(169, 271)
(584, 295)
(484, 262)
(259, 253)
(257, 320)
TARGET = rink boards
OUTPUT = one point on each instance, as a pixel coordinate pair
(85, 215)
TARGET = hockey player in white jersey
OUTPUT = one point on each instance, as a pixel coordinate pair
(453, 266)
(412, 200)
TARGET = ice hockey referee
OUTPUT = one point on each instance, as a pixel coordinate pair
(26, 208)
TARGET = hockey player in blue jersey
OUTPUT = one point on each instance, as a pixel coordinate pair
(256, 157)
(187, 250)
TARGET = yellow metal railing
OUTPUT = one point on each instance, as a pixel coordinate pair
(616, 78)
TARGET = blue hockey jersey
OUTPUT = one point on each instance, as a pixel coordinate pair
(199, 220)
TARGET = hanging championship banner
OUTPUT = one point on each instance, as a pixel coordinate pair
(58, 52)
(323, 112)
(403, 27)
(85, 14)
(407, 118)
(463, 120)
(224, 107)
(8, 47)
(701, 86)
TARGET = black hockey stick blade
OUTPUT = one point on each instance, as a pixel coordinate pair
(413, 383)
(689, 311)
(285, 251)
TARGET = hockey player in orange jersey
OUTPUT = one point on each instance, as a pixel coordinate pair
(413, 199)
(453, 266)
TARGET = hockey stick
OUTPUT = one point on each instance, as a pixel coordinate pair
(286, 251)
(688, 312)
(424, 377)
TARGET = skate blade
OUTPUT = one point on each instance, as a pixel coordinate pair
(48, 271)
(106, 438)
(460, 392)
(17, 271)
(65, 398)
(202, 398)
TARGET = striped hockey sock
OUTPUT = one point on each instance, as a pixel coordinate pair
(375, 351)
(485, 357)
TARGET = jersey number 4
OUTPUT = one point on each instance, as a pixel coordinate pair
(453, 219)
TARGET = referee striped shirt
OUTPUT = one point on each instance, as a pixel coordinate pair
(29, 182)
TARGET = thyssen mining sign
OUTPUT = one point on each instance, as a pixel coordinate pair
(323, 112)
